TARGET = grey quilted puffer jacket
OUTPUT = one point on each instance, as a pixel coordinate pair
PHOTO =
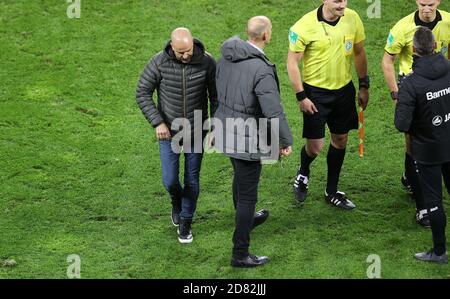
(181, 88)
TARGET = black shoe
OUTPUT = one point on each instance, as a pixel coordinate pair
(406, 184)
(175, 217)
(423, 219)
(430, 256)
(340, 200)
(300, 187)
(184, 231)
(176, 210)
(249, 261)
(260, 217)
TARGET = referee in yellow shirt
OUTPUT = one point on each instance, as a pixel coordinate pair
(400, 45)
(325, 41)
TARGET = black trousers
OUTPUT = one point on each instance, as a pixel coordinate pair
(245, 195)
(430, 178)
(446, 176)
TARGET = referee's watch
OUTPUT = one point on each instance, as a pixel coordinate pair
(301, 95)
(364, 82)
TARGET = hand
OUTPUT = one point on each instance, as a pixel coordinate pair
(162, 132)
(285, 151)
(394, 97)
(211, 140)
(308, 106)
(363, 98)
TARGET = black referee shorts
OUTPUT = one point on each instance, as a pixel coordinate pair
(337, 109)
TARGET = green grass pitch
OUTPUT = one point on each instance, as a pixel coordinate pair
(80, 170)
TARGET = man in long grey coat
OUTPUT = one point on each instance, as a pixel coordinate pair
(249, 113)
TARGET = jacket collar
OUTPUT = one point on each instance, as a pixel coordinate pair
(197, 57)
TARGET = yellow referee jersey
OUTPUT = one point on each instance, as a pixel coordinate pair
(400, 39)
(327, 49)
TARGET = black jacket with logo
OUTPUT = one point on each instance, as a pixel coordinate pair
(423, 109)
(182, 88)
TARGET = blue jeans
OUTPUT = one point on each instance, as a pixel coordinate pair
(170, 163)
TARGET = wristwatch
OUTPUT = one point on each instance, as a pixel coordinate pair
(364, 82)
(301, 95)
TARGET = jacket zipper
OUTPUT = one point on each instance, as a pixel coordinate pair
(184, 91)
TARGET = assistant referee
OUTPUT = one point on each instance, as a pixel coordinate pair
(325, 41)
(400, 45)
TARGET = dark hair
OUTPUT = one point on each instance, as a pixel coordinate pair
(424, 41)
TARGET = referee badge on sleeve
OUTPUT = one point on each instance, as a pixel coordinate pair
(444, 50)
(348, 44)
(293, 37)
(390, 40)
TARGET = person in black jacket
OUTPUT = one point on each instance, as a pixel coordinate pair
(423, 111)
(183, 75)
(249, 95)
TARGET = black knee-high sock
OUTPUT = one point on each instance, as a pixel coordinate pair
(413, 179)
(335, 159)
(305, 162)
